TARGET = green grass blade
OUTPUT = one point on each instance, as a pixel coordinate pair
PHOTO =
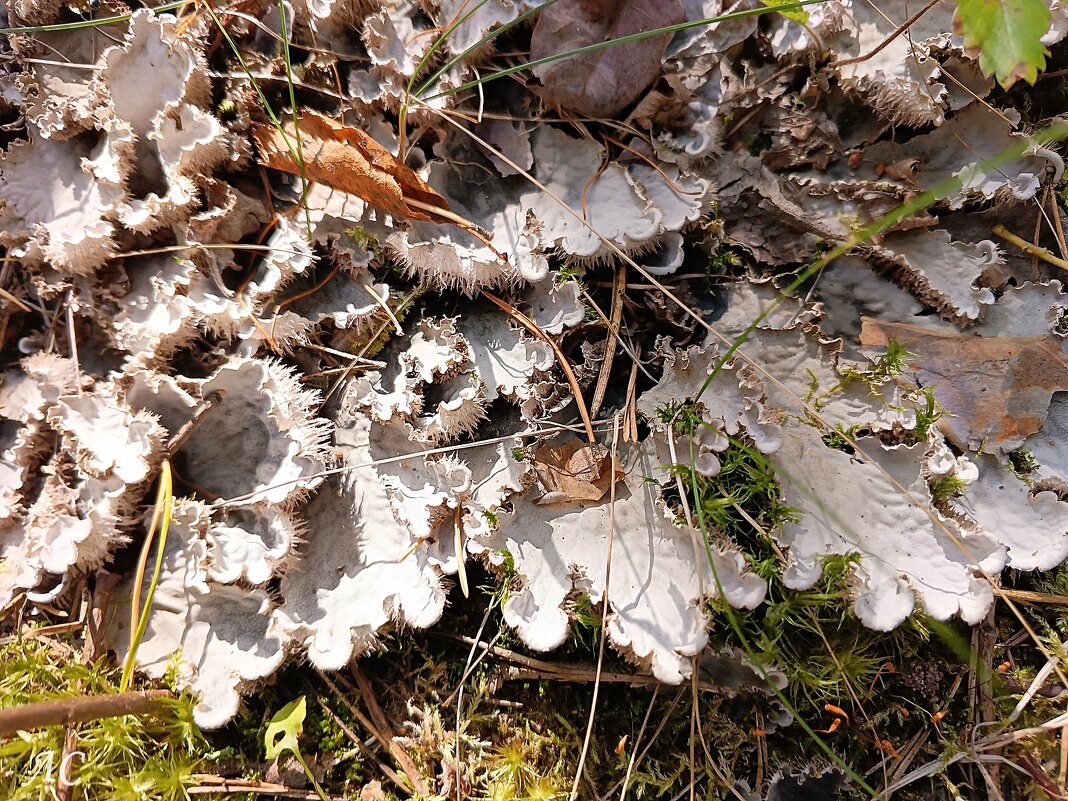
(296, 128)
(164, 507)
(1053, 133)
(943, 189)
(757, 662)
(489, 37)
(422, 63)
(244, 66)
(294, 150)
(89, 23)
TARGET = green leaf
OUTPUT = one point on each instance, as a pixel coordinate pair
(285, 727)
(1007, 34)
(796, 14)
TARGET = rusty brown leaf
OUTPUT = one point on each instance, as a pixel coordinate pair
(997, 389)
(348, 160)
(575, 472)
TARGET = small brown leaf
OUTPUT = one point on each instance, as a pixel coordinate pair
(348, 160)
(575, 472)
(996, 388)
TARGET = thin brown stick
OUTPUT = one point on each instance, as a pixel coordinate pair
(367, 693)
(1029, 248)
(80, 709)
(619, 285)
(219, 785)
(1062, 774)
(885, 42)
(650, 163)
(389, 773)
(477, 231)
(382, 729)
(12, 299)
(1038, 233)
(1027, 596)
(606, 608)
(189, 426)
(310, 290)
(630, 418)
(1058, 230)
(526, 668)
(98, 607)
(357, 713)
(458, 534)
(565, 365)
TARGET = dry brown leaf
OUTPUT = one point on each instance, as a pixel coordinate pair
(997, 388)
(602, 82)
(575, 472)
(348, 160)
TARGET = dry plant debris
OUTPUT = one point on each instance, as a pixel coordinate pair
(287, 305)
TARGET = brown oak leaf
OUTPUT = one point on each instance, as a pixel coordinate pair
(574, 472)
(997, 389)
(349, 160)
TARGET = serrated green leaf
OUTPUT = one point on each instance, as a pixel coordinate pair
(285, 727)
(1007, 34)
(796, 14)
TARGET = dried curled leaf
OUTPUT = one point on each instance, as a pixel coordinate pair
(574, 472)
(349, 160)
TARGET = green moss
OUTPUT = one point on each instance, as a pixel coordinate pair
(842, 438)
(815, 638)
(129, 758)
(721, 262)
(585, 623)
(684, 416)
(891, 363)
(568, 271)
(946, 487)
(528, 766)
(743, 492)
(927, 415)
(1022, 462)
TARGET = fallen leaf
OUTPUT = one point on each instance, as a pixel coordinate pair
(602, 82)
(574, 472)
(349, 160)
(1008, 35)
(997, 388)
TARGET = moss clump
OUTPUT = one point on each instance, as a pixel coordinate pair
(129, 758)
